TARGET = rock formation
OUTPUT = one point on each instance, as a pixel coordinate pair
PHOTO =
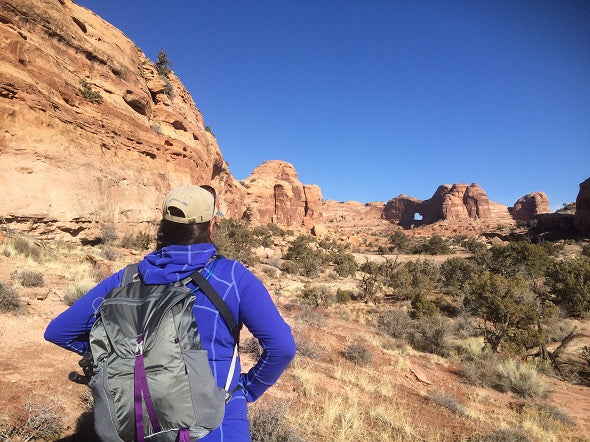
(275, 195)
(449, 202)
(582, 216)
(530, 205)
(90, 133)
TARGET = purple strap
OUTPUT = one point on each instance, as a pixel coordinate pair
(183, 435)
(140, 387)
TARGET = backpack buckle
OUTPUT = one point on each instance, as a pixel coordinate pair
(139, 346)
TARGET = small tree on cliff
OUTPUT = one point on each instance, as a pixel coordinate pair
(163, 64)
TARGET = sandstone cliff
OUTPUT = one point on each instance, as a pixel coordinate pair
(275, 195)
(530, 205)
(90, 133)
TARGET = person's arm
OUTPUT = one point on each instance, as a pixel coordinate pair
(260, 315)
(71, 328)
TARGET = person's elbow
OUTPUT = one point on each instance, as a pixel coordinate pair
(51, 334)
(288, 350)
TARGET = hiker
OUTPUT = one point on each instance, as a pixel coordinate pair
(185, 244)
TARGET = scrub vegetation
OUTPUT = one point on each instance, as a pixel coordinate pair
(392, 345)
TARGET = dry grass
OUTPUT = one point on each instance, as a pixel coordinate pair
(33, 420)
(324, 397)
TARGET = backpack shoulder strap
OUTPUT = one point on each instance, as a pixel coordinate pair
(131, 274)
(219, 304)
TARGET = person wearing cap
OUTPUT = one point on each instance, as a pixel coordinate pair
(185, 244)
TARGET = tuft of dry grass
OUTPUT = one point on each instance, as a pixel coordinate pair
(28, 278)
(9, 299)
(358, 353)
(22, 246)
(33, 420)
(268, 422)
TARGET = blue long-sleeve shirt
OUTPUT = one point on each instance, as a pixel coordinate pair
(244, 294)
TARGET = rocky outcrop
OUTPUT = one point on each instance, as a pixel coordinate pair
(449, 202)
(582, 216)
(530, 205)
(90, 133)
(402, 209)
(274, 194)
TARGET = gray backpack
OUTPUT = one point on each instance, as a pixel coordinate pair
(152, 376)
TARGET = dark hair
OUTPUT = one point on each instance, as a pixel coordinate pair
(171, 233)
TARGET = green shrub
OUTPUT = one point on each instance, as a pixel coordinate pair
(358, 354)
(368, 287)
(290, 267)
(431, 335)
(345, 264)
(455, 272)
(9, 299)
(343, 296)
(28, 278)
(400, 242)
(569, 282)
(446, 306)
(474, 246)
(309, 262)
(316, 296)
(370, 267)
(586, 250)
(524, 258)
(413, 277)
(234, 240)
(511, 311)
(423, 307)
(264, 235)
(435, 245)
(521, 379)
(88, 93)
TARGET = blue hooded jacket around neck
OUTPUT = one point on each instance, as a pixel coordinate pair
(244, 294)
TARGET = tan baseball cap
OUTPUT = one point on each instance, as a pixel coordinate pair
(189, 205)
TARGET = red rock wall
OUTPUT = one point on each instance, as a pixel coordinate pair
(68, 164)
(582, 216)
(530, 205)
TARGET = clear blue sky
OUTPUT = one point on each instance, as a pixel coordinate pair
(370, 99)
